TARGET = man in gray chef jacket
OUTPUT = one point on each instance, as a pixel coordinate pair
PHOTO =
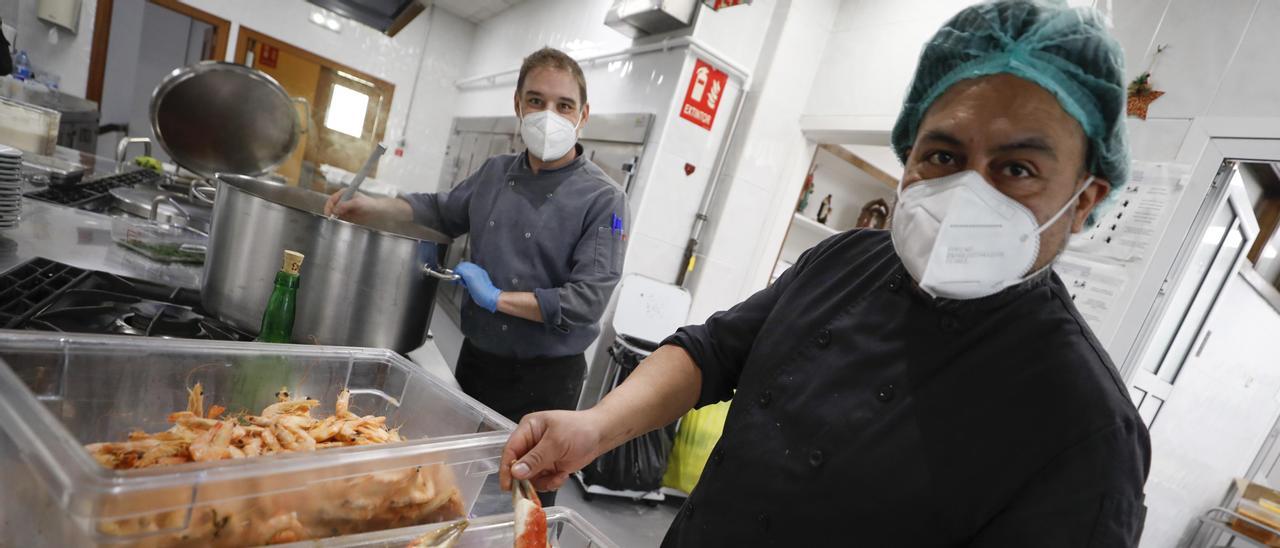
(547, 244)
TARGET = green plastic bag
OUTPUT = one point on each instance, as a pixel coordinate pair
(699, 431)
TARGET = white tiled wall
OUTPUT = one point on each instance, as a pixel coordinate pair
(767, 163)
(871, 56)
(55, 49)
(426, 135)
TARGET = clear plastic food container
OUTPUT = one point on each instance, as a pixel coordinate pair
(59, 392)
(565, 529)
(158, 241)
(29, 127)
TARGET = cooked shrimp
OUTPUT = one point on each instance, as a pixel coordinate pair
(444, 537)
(195, 400)
(214, 444)
(285, 528)
(342, 409)
(291, 407)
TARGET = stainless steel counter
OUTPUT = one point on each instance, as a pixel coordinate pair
(83, 239)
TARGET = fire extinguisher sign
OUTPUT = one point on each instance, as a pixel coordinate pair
(706, 88)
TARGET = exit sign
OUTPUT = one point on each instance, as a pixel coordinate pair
(717, 4)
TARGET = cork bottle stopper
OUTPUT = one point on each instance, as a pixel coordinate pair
(292, 262)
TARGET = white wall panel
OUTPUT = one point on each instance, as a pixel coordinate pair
(1251, 84)
(54, 49)
(1202, 38)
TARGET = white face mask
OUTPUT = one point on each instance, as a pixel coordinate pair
(548, 135)
(960, 238)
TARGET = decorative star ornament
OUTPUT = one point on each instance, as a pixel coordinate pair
(1138, 104)
(1141, 94)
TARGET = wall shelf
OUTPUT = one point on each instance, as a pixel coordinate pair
(813, 226)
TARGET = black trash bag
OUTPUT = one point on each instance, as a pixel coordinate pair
(639, 464)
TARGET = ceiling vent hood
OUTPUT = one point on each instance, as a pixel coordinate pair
(636, 18)
(387, 16)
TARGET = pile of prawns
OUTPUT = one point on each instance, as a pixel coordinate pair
(284, 426)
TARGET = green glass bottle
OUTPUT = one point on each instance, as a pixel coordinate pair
(256, 379)
(277, 319)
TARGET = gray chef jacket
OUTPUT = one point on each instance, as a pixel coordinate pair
(867, 413)
(559, 234)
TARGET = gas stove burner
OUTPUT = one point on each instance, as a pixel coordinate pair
(160, 320)
(44, 295)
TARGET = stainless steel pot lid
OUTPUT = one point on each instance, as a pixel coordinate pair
(216, 117)
(312, 202)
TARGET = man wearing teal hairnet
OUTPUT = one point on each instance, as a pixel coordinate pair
(933, 384)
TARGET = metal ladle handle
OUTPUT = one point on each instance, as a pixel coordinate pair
(441, 274)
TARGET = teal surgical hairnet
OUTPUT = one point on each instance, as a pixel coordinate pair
(1066, 51)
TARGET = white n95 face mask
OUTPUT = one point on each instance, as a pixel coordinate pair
(960, 238)
(548, 135)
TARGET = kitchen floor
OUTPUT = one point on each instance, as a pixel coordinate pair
(626, 522)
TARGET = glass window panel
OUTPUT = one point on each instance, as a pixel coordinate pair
(1221, 269)
(347, 110)
(1192, 281)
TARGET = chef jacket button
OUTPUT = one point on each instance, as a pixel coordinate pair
(764, 522)
(885, 393)
(504, 327)
(815, 458)
(548, 194)
(824, 338)
(511, 183)
(515, 281)
(528, 235)
(490, 223)
(895, 282)
(765, 398)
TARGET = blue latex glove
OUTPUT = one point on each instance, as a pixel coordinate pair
(478, 284)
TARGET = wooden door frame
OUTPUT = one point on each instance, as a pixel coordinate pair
(388, 89)
(102, 39)
(242, 50)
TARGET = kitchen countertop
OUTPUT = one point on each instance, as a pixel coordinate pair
(83, 239)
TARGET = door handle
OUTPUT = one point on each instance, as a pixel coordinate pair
(1204, 342)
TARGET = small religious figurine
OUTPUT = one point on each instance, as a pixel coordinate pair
(807, 190)
(874, 215)
(824, 210)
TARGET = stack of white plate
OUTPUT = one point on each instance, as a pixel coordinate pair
(10, 186)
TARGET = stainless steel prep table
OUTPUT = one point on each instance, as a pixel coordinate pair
(83, 239)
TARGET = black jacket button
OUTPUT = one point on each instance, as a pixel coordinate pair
(824, 338)
(895, 282)
(884, 393)
(766, 398)
(816, 458)
(764, 522)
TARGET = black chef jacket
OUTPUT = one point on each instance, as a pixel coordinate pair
(867, 413)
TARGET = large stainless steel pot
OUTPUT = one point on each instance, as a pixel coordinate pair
(362, 285)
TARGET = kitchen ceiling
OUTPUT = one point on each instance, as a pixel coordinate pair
(475, 11)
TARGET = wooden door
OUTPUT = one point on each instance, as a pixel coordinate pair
(299, 76)
(324, 84)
